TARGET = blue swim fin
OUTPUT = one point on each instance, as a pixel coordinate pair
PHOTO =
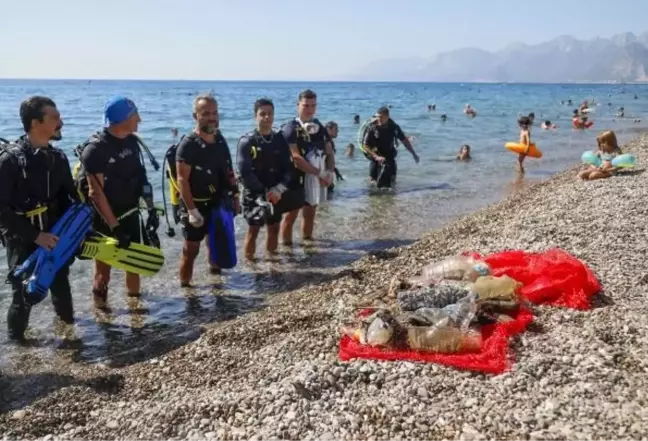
(222, 242)
(71, 229)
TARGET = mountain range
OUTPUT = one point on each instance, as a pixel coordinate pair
(621, 58)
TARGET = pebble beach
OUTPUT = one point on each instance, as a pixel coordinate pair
(275, 373)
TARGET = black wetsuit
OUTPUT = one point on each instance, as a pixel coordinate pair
(31, 177)
(382, 141)
(263, 162)
(119, 160)
(211, 181)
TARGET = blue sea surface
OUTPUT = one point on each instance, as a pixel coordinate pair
(357, 218)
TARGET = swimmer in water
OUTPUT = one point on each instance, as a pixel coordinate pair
(349, 151)
(444, 117)
(620, 112)
(464, 153)
(431, 107)
(532, 117)
(356, 119)
(547, 125)
(525, 138)
(468, 110)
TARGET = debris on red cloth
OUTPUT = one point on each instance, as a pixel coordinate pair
(493, 358)
(553, 277)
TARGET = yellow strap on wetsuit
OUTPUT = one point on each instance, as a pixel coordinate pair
(177, 188)
(253, 152)
(33, 213)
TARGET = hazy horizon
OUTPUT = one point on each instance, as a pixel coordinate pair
(252, 40)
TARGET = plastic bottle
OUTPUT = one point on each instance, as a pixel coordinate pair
(445, 339)
(456, 268)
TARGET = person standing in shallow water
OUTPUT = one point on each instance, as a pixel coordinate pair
(35, 174)
(332, 130)
(116, 180)
(379, 143)
(205, 179)
(265, 171)
(307, 138)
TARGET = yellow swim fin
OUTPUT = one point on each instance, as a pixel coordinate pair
(137, 258)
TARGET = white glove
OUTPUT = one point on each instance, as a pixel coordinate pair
(195, 218)
(278, 189)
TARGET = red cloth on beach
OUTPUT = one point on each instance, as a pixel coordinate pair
(493, 358)
(553, 277)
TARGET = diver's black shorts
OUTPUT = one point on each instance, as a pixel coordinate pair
(249, 204)
(193, 234)
(132, 225)
(292, 199)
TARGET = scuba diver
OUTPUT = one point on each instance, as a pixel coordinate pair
(314, 161)
(37, 189)
(208, 189)
(265, 171)
(379, 145)
(112, 170)
(332, 130)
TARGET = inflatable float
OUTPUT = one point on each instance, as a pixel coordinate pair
(625, 160)
(516, 147)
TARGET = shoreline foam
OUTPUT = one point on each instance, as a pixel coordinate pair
(275, 373)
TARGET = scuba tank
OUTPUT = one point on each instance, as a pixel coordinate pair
(169, 173)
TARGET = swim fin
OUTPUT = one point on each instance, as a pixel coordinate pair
(137, 258)
(222, 242)
(43, 265)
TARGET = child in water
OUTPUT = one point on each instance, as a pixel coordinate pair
(464, 153)
(608, 149)
(547, 125)
(349, 151)
(525, 138)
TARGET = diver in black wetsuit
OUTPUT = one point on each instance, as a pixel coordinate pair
(265, 171)
(379, 144)
(35, 174)
(332, 129)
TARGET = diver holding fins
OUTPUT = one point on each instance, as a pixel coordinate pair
(265, 170)
(37, 189)
(113, 172)
(207, 186)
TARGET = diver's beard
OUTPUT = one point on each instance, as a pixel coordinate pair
(56, 137)
(209, 129)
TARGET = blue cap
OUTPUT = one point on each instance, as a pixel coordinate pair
(118, 109)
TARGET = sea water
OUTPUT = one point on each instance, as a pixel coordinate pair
(357, 219)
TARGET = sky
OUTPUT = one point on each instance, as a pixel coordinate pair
(277, 40)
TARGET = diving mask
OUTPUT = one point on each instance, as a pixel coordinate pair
(311, 128)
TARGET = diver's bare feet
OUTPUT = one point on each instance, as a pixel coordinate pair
(214, 270)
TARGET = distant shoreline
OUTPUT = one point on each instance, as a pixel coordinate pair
(150, 80)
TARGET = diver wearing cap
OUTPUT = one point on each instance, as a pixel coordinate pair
(205, 179)
(116, 180)
(309, 142)
(379, 144)
(265, 171)
(37, 188)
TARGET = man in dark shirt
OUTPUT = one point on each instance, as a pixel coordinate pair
(307, 139)
(205, 179)
(332, 129)
(34, 174)
(266, 172)
(379, 144)
(116, 180)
